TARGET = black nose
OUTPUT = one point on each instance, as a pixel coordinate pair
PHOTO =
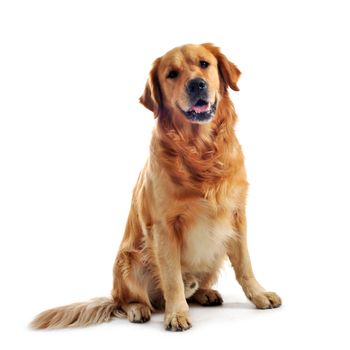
(196, 87)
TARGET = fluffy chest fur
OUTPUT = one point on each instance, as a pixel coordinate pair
(204, 244)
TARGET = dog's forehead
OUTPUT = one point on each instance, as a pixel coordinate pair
(189, 54)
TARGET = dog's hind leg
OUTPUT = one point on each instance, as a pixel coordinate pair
(204, 294)
(130, 286)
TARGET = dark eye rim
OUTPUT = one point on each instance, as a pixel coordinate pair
(204, 64)
(173, 74)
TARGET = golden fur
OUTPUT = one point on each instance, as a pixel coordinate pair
(188, 207)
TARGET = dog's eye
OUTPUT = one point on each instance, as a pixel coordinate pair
(203, 64)
(173, 74)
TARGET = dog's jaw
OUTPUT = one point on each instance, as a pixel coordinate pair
(200, 114)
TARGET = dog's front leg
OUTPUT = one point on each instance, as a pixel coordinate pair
(240, 260)
(167, 249)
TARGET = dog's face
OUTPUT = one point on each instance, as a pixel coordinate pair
(189, 81)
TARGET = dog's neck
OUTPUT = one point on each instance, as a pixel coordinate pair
(198, 157)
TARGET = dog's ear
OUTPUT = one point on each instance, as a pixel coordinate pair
(152, 96)
(229, 73)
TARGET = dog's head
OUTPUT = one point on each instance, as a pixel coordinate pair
(189, 82)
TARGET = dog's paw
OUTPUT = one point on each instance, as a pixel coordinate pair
(207, 297)
(266, 300)
(138, 313)
(177, 321)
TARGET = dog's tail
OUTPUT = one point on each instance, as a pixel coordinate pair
(94, 311)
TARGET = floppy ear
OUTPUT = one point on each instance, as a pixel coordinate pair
(152, 96)
(228, 71)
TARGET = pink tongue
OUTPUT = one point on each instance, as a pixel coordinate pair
(200, 109)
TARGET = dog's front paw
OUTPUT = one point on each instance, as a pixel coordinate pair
(266, 300)
(177, 321)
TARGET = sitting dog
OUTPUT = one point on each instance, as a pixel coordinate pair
(188, 207)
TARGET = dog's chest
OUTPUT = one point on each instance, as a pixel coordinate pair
(205, 243)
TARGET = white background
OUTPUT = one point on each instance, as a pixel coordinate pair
(73, 139)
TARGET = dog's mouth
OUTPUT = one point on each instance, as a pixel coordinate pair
(201, 111)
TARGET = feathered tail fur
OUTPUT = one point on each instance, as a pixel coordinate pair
(94, 311)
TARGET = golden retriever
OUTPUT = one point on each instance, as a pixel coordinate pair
(188, 207)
